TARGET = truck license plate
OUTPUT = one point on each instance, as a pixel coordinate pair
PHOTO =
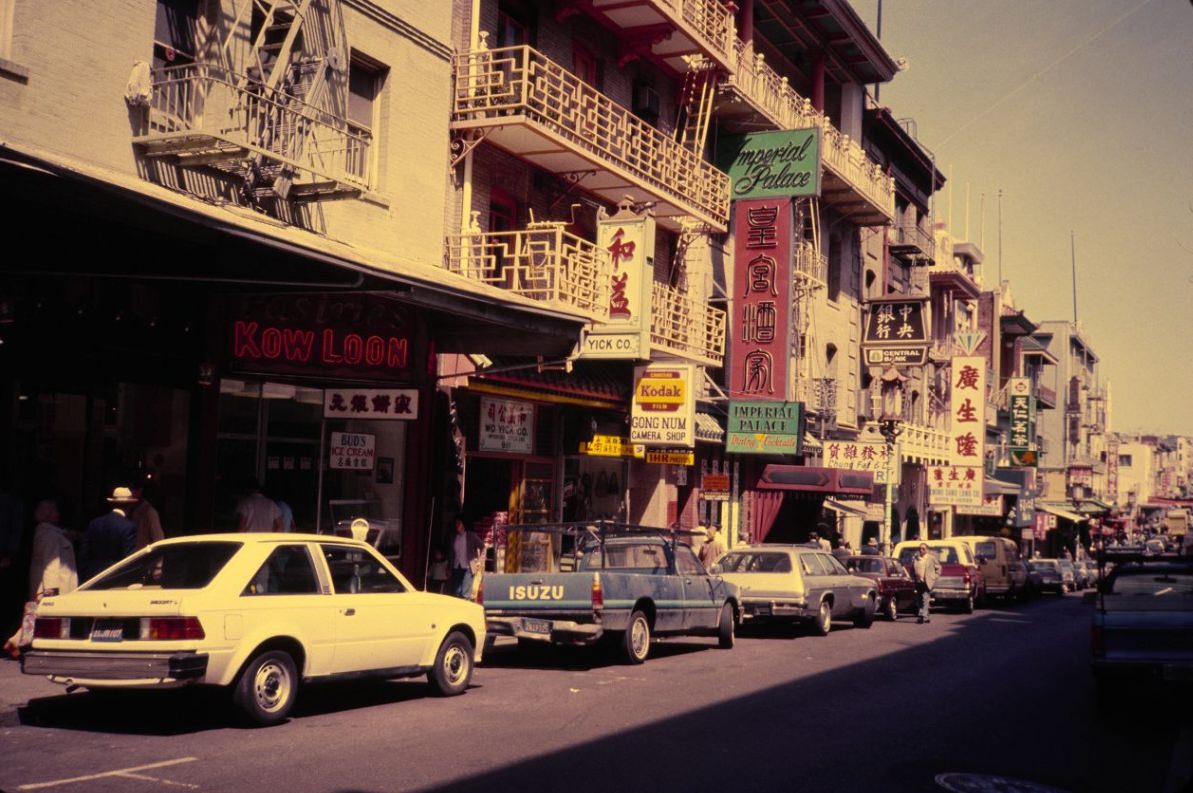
(107, 631)
(536, 626)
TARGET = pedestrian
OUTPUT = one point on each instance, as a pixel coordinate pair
(466, 558)
(438, 571)
(51, 570)
(871, 547)
(256, 511)
(925, 571)
(822, 538)
(287, 515)
(713, 548)
(843, 551)
(146, 518)
(110, 537)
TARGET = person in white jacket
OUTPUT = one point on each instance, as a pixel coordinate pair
(52, 569)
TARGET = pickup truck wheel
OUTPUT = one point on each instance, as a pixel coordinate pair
(824, 619)
(636, 642)
(266, 688)
(453, 666)
(890, 608)
(726, 629)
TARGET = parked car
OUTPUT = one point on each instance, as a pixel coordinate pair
(1143, 622)
(1085, 574)
(1051, 577)
(1035, 581)
(1068, 574)
(997, 558)
(259, 614)
(799, 583)
(960, 584)
(896, 590)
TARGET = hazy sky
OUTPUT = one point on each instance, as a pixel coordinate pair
(1081, 113)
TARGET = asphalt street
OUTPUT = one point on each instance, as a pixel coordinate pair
(1004, 692)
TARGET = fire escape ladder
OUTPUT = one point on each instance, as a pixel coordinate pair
(696, 104)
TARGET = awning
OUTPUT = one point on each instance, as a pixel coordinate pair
(997, 487)
(857, 510)
(1091, 506)
(595, 384)
(809, 479)
(708, 429)
(812, 443)
(1061, 512)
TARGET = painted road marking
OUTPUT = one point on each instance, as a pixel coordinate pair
(129, 772)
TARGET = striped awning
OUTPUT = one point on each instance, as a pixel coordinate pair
(708, 428)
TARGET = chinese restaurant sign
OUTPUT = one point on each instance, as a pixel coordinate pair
(360, 336)
(392, 404)
(1022, 409)
(896, 333)
(967, 405)
(506, 425)
(1112, 470)
(765, 428)
(862, 456)
(663, 407)
(355, 451)
(958, 486)
(629, 241)
(778, 164)
(761, 330)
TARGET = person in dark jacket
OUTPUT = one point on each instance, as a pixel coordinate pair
(110, 537)
(871, 547)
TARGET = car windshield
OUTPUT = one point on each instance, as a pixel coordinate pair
(756, 562)
(177, 566)
(1167, 585)
(651, 558)
(1044, 567)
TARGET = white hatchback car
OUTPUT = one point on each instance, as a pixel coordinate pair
(258, 614)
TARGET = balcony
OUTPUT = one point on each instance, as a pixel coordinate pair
(685, 327)
(1045, 397)
(819, 395)
(520, 101)
(913, 245)
(671, 30)
(546, 264)
(755, 96)
(207, 116)
(924, 445)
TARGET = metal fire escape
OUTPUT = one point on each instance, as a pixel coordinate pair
(266, 102)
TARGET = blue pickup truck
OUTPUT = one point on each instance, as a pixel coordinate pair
(577, 583)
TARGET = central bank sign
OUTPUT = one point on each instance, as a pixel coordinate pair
(773, 164)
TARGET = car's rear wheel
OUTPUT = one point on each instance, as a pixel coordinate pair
(891, 608)
(824, 619)
(267, 688)
(453, 666)
(726, 629)
(635, 643)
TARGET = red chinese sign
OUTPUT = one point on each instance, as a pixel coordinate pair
(393, 404)
(761, 348)
(967, 404)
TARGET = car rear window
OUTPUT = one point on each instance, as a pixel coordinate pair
(178, 566)
(755, 562)
(650, 558)
(1148, 584)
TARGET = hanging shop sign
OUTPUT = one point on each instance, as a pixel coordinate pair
(611, 446)
(1112, 470)
(764, 427)
(355, 451)
(1022, 410)
(663, 407)
(991, 507)
(761, 351)
(896, 333)
(358, 336)
(773, 164)
(386, 404)
(879, 458)
(1041, 525)
(506, 425)
(628, 238)
(967, 405)
(714, 487)
(671, 457)
(959, 486)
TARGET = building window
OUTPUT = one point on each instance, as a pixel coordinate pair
(514, 25)
(1124, 461)
(365, 80)
(175, 33)
(585, 66)
(835, 260)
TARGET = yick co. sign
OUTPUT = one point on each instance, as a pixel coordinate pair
(773, 164)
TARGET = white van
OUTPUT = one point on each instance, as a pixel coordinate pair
(1002, 566)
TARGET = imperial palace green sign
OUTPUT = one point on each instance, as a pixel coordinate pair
(773, 164)
(765, 427)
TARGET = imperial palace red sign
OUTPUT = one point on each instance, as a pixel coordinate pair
(762, 285)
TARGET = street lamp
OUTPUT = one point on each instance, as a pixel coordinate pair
(889, 425)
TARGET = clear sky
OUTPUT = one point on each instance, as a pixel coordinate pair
(1081, 113)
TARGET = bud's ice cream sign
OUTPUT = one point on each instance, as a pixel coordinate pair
(663, 412)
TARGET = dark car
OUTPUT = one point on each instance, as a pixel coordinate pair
(896, 590)
(1052, 579)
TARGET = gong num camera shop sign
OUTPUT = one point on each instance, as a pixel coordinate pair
(354, 451)
(663, 411)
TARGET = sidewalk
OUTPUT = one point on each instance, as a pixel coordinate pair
(17, 689)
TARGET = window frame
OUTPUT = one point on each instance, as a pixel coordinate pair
(368, 552)
(321, 587)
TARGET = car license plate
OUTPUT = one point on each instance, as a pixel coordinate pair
(107, 631)
(762, 611)
(536, 626)
(1178, 672)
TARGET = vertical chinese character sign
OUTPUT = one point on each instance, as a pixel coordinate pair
(1022, 409)
(628, 239)
(967, 406)
(1112, 470)
(761, 330)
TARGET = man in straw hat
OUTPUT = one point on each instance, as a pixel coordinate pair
(110, 537)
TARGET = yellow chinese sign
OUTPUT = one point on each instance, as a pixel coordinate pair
(611, 446)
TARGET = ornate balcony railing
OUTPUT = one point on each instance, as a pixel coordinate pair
(545, 264)
(496, 88)
(1046, 395)
(771, 95)
(686, 327)
(208, 115)
(924, 444)
(708, 20)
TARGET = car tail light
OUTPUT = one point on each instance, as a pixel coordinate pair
(166, 629)
(598, 594)
(51, 628)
